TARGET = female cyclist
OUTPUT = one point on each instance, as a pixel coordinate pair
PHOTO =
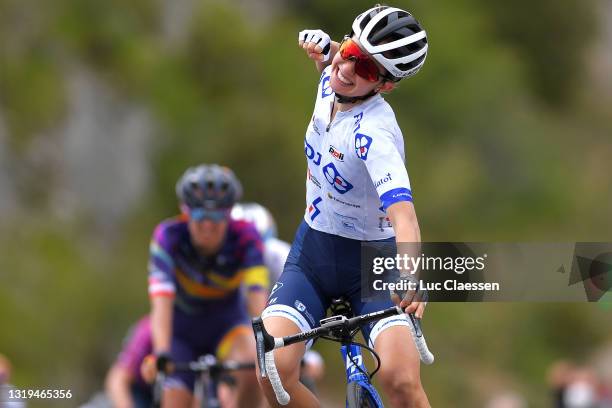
(199, 261)
(357, 190)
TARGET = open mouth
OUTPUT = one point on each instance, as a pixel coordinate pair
(343, 80)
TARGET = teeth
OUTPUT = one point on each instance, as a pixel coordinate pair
(343, 79)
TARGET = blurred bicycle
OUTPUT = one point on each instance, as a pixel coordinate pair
(210, 374)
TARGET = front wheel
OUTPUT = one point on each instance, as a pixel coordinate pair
(360, 397)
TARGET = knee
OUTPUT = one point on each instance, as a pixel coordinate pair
(287, 369)
(287, 359)
(247, 380)
(401, 385)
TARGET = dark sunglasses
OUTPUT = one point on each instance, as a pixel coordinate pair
(365, 66)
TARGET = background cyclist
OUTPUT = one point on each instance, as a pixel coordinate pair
(357, 189)
(198, 263)
(124, 384)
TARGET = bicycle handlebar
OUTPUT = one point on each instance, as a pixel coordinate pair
(205, 364)
(266, 343)
(210, 364)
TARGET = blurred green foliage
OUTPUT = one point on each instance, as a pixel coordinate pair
(504, 141)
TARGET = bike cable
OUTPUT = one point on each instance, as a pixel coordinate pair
(371, 350)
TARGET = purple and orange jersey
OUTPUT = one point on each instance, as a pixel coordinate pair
(200, 282)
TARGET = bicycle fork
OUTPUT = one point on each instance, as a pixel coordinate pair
(356, 370)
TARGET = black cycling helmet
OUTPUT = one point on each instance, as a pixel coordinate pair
(394, 38)
(208, 187)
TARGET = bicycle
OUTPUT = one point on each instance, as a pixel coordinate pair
(341, 327)
(210, 372)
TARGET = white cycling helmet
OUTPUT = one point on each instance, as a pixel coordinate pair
(258, 215)
(393, 38)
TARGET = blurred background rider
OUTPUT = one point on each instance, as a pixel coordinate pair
(124, 385)
(199, 261)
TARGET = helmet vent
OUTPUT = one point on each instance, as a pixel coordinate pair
(411, 64)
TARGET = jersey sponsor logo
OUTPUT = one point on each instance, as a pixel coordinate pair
(348, 225)
(331, 197)
(395, 195)
(383, 180)
(402, 194)
(362, 145)
(302, 309)
(334, 178)
(276, 287)
(358, 118)
(325, 88)
(384, 222)
(336, 154)
(312, 178)
(299, 306)
(352, 360)
(313, 210)
(346, 221)
(310, 153)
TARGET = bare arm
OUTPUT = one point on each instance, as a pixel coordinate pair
(161, 322)
(406, 227)
(117, 385)
(404, 221)
(256, 301)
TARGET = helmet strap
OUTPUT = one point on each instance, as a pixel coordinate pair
(353, 99)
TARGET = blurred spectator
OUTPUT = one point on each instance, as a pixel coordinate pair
(5, 385)
(581, 392)
(576, 387)
(559, 377)
(602, 362)
(606, 396)
(507, 400)
(5, 370)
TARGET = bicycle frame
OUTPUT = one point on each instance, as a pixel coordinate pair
(351, 355)
(205, 387)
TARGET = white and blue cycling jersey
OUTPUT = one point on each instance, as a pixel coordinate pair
(355, 169)
(355, 172)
